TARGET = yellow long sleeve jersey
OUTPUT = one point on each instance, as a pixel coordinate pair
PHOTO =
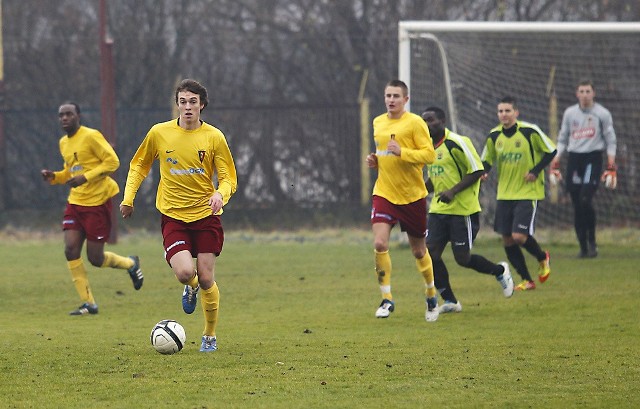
(189, 161)
(88, 153)
(400, 178)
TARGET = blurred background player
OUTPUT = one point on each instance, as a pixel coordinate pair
(520, 151)
(191, 154)
(586, 132)
(89, 161)
(454, 211)
(403, 147)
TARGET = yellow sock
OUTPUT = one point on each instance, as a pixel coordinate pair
(80, 280)
(115, 261)
(383, 272)
(210, 301)
(425, 267)
(193, 281)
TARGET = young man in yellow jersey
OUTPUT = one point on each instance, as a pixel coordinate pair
(191, 154)
(403, 147)
(89, 161)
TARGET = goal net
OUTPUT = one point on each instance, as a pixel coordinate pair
(467, 67)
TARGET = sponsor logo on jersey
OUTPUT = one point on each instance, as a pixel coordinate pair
(436, 170)
(171, 160)
(510, 157)
(190, 171)
(583, 133)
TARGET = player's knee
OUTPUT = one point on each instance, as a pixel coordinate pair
(519, 239)
(463, 260)
(96, 260)
(381, 245)
(71, 253)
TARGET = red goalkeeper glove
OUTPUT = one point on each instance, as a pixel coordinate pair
(610, 177)
(555, 176)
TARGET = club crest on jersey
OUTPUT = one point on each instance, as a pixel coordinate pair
(201, 155)
(439, 155)
(518, 144)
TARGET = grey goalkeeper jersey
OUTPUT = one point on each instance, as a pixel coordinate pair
(587, 130)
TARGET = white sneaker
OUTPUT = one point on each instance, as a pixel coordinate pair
(385, 309)
(449, 306)
(432, 309)
(505, 280)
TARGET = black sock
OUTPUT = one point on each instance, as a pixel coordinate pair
(532, 246)
(516, 258)
(484, 266)
(441, 280)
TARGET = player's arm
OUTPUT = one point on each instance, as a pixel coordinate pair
(60, 177)
(138, 170)
(109, 161)
(424, 152)
(226, 169)
(429, 185)
(544, 161)
(610, 175)
(487, 157)
(468, 180)
(466, 158)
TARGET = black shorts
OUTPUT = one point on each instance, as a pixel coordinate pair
(461, 231)
(583, 170)
(515, 216)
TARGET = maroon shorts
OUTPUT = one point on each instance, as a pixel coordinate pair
(94, 221)
(412, 217)
(202, 236)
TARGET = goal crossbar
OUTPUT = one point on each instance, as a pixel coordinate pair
(415, 29)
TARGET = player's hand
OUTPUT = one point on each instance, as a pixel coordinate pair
(530, 177)
(47, 175)
(446, 196)
(372, 160)
(394, 147)
(126, 211)
(484, 176)
(610, 177)
(77, 181)
(555, 176)
(216, 202)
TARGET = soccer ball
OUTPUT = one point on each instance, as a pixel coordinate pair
(168, 337)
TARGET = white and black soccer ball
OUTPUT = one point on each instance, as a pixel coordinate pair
(168, 337)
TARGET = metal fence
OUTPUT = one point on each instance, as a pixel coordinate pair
(298, 164)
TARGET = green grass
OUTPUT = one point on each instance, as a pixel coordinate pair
(297, 330)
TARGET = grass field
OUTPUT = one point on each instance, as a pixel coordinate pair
(297, 330)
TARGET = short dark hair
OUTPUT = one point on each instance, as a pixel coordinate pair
(509, 100)
(195, 87)
(77, 107)
(438, 111)
(398, 83)
(585, 82)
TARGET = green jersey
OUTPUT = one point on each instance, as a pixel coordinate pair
(515, 151)
(456, 157)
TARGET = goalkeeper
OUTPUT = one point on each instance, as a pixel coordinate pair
(586, 132)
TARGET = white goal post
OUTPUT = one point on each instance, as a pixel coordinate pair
(466, 67)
